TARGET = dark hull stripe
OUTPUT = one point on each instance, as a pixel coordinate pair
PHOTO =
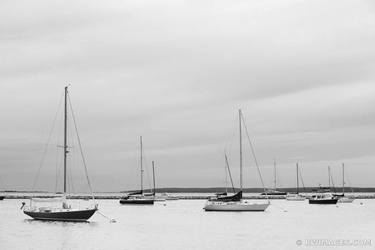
(326, 202)
(212, 210)
(57, 219)
(135, 202)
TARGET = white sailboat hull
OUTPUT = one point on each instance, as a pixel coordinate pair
(345, 200)
(295, 198)
(236, 206)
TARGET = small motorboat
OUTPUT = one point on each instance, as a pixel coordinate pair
(324, 199)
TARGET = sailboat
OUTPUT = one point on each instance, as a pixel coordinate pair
(64, 212)
(156, 198)
(296, 196)
(138, 197)
(344, 199)
(235, 203)
(274, 191)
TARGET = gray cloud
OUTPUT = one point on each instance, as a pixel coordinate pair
(176, 72)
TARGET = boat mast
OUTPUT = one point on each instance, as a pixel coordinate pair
(65, 134)
(343, 179)
(153, 176)
(140, 138)
(329, 178)
(274, 172)
(226, 176)
(297, 178)
(240, 125)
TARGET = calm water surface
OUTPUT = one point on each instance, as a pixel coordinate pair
(183, 224)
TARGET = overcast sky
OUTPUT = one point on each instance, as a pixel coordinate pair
(176, 72)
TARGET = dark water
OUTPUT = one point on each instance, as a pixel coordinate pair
(183, 224)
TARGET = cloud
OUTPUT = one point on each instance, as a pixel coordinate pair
(176, 72)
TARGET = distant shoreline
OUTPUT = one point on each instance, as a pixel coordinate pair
(191, 193)
(179, 197)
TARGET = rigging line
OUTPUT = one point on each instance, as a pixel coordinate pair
(230, 141)
(230, 175)
(80, 148)
(57, 168)
(58, 174)
(58, 158)
(333, 184)
(71, 182)
(225, 176)
(253, 153)
(112, 220)
(47, 143)
(146, 168)
(70, 179)
(303, 184)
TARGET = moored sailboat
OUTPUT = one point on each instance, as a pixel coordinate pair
(64, 211)
(156, 198)
(296, 196)
(343, 198)
(274, 191)
(139, 197)
(235, 203)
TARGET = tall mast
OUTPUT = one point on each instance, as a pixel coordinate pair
(153, 176)
(329, 178)
(226, 175)
(65, 134)
(274, 172)
(343, 179)
(240, 124)
(140, 138)
(297, 178)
